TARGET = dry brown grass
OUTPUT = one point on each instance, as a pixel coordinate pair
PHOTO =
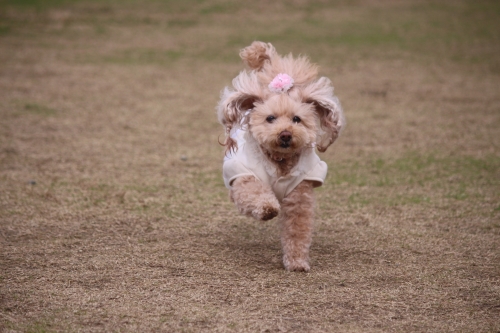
(113, 214)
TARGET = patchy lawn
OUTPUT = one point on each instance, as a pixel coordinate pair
(113, 213)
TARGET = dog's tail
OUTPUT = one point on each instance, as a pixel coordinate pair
(257, 54)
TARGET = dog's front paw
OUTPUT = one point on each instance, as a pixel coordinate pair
(296, 265)
(267, 210)
(265, 213)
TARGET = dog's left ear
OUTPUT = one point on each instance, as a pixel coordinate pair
(235, 103)
(328, 110)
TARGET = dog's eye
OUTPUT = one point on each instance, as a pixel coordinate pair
(296, 120)
(270, 119)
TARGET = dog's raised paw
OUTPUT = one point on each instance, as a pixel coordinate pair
(269, 213)
(267, 209)
(265, 213)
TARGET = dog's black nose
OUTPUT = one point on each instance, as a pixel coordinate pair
(285, 136)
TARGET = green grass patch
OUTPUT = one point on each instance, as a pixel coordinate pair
(144, 57)
(4, 29)
(34, 3)
(462, 32)
(38, 109)
(39, 327)
(415, 168)
(418, 179)
(218, 8)
(182, 23)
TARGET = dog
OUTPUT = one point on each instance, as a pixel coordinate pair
(275, 116)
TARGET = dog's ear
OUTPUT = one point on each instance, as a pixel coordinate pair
(235, 103)
(257, 54)
(231, 110)
(328, 110)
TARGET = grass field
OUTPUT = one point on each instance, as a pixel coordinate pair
(113, 213)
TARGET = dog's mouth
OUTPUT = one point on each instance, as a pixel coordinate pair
(279, 156)
(285, 145)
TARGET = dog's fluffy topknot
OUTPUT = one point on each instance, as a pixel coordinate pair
(257, 54)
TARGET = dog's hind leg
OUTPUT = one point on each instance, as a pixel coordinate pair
(296, 222)
(254, 198)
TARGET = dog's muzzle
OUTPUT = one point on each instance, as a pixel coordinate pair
(285, 139)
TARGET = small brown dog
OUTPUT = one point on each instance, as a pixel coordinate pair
(275, 117)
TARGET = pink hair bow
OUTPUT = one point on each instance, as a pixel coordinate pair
(281, 83)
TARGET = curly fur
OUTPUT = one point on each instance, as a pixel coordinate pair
(248, 104)
(253, 198)
(256, 54)
(296, 224)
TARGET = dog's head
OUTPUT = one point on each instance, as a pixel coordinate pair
(284, 105)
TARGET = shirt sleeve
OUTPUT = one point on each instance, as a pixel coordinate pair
(232, 169)
(318, 174)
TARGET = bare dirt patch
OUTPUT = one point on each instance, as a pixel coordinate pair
(113, 214)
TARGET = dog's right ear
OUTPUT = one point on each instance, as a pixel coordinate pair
(231, 110)
(257, 54)
(235, 103)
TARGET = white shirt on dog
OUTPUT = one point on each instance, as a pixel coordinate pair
(248, 161)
